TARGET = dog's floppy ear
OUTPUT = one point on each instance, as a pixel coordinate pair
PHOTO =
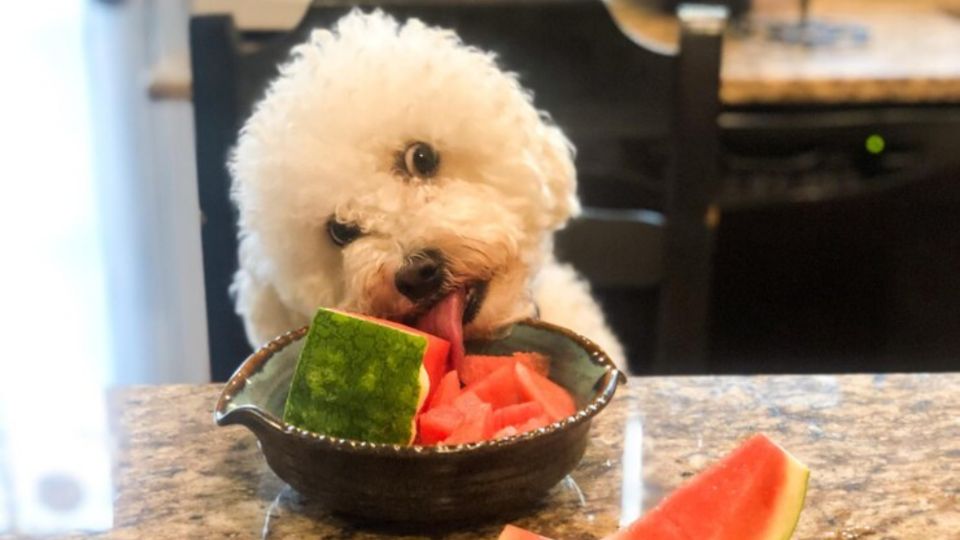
(559, 175)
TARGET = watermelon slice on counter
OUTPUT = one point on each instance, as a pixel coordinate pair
(754, 493)
(371, 377)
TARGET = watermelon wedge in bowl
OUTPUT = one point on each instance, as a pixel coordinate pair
(422, 484)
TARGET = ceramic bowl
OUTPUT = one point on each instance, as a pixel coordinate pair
(423, 484)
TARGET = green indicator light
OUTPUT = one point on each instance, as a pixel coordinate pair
(875, 144)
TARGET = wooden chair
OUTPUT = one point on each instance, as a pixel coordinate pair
(644, 124)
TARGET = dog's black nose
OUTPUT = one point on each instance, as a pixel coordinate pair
(421, 275)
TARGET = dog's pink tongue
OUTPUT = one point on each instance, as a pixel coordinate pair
(445, 320)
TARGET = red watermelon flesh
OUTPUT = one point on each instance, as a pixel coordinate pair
(500, 388)
(516, 415)
(446, 392)
(438, 423)
(477, 366)
(508, 400)
(476, 426)
(534, 423)
(511, 532)
(468, 401)
(754, 493)
(556, 401)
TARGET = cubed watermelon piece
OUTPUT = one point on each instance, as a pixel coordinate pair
(499, 389)
(556, 401)
(508, 431)
(516, 415)
(467, 401)
(754, 493)
(534, 423)
(360, 378)
(448, 391)
(477, 366)
(512, 532)
(439, 423)
(476, 426)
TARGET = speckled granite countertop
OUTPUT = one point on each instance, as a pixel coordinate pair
(884, 451)
(910, 55)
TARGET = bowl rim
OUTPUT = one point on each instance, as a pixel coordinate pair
(247, 414)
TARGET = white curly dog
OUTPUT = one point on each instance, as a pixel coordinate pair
(394, 171)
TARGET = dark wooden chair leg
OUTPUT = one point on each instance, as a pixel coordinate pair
(215, 96)
(690, 218)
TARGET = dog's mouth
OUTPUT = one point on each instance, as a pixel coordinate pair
(446, 316)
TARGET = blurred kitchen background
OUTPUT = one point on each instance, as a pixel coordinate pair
(829, 230)
(836, 246)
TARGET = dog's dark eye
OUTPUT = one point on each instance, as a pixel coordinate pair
(342, 233)
(421, 160)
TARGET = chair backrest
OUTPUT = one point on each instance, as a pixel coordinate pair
(615, 100)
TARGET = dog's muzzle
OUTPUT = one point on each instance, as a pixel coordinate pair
(422, 275)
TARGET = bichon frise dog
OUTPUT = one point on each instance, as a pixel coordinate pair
(391, 170)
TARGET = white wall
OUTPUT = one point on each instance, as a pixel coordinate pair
(53, 314)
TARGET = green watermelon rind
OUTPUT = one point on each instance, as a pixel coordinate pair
(357, 379)
(796, 501)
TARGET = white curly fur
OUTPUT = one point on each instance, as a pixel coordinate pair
(324, 142)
